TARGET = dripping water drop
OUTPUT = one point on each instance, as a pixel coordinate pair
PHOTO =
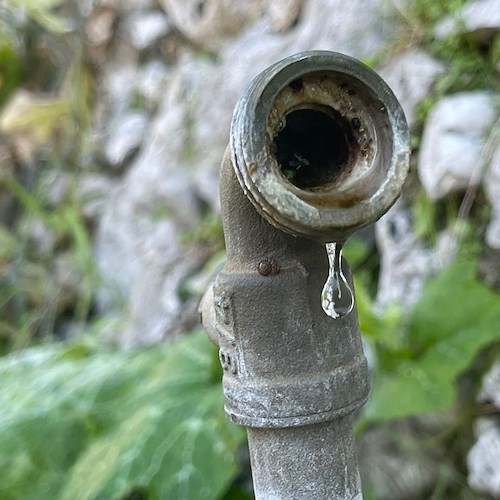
(337, 298)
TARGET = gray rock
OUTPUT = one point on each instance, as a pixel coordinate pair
(488, 268)
(125, 136)
(490, 387)
(283, 14)
(92, 191)
(484, 458)
(411, 75)
(480, 17)
(146, 28)
(453, 141)
(151, 81)
(492, 190)
(99, 25)
(209, 23)
(119, 85)
(405, 262)
(131, 7)
(139, 246)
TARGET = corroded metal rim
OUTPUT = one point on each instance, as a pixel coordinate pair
(363, 194)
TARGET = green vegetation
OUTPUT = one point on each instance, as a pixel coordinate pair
(81, 419)
(456, 317)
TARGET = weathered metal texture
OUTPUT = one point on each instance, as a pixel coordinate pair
(365, 184)
(286, 362)
(314, 462)
(292, 374)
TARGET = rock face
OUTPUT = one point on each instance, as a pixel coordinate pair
(455, 134)
(492, 190)
(483, 460)
(405, 262)
(139, 245)
(480, 18)
(125, 137)
(484, 456)
(411, 75)
(139, 249)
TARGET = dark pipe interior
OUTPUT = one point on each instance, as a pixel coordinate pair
(312, 148)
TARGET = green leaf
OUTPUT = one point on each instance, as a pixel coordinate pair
(427, 384)
(456, 318)
(87, 424)
(453, 302)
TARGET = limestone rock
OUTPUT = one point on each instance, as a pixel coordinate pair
(99, 26)
(411, 75)
(139, 247)
(92, 191)
(492, 190)
(146, 28)
(209, 23)
(480, 17)
(151, 81)
(404, 263)
(490, 388)
(453, 141)
(125, 136)
(483, 460)
(283, 14)
(484, 457)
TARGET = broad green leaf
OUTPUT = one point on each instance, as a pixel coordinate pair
(456, 317)
(80, 423)
(452, 302)
(427, 384)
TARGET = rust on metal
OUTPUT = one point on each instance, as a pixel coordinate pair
(319, 148)
(268, 267)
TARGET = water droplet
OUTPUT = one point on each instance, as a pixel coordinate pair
(337, 298)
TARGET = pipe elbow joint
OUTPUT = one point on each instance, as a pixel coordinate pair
(319, 147)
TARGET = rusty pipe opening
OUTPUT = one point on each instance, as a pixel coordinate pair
(320, 145)
(312, 148)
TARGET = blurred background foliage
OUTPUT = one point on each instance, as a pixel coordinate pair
(81, 418)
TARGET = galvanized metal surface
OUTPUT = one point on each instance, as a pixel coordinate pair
(292, 374)
(314, 462)
(286, 362)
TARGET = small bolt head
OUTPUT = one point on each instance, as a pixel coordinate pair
(268, 267)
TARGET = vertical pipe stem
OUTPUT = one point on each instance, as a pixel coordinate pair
(300, 463)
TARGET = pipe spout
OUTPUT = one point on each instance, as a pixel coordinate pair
(319, 148)
(320, 145)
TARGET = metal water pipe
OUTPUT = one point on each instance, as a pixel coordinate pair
(319, 147)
